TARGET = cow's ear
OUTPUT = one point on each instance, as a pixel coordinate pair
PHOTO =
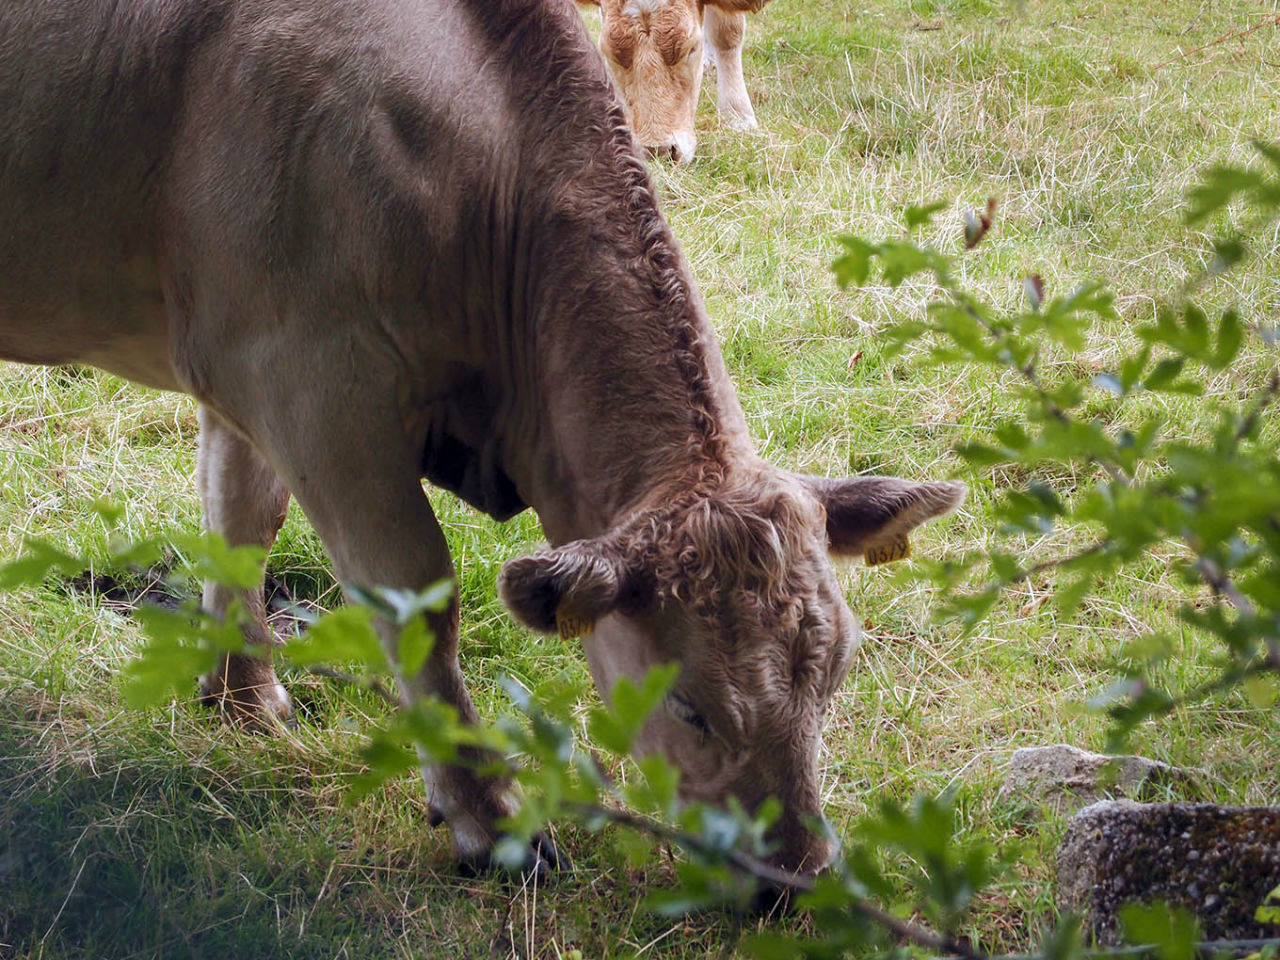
(564, 590)
(872, 515)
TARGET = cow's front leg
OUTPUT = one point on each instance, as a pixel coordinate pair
(358, 481)
(245, 502)
(724, 36)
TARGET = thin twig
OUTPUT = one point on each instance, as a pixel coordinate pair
(1265, 21)
(783, 880)
(1264, 400)
(67, 899)
(1032, 377)
(1205, 948)
(1026, 573)
(791, 882)
(1208, 570)
(372, 684)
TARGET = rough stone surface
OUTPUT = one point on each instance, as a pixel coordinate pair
(1218, 862)
(1065, 778)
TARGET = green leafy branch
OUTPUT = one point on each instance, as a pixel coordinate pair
(726, 850)
(1219, 497)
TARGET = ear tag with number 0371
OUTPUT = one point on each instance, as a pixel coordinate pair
(569, 626)
(888, 552)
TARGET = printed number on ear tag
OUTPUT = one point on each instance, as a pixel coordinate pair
(570, 626)
(888, 552)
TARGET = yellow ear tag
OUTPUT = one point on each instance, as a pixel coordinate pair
(888, 552)
(569, 626)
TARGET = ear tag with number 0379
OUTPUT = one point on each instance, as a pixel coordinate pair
(888, 552)
(569, 626)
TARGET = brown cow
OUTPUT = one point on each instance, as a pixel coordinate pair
(383, 239)
(656, 51)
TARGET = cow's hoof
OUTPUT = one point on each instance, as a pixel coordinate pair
(541, 859)
(772, 901)
(741, 123)
(550, 854)
(264, 705)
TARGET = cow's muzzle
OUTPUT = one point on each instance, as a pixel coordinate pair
(678, 147)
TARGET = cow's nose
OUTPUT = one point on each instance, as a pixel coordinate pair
(679, 147)
(800, 848)
(666, 151)
(775, 897)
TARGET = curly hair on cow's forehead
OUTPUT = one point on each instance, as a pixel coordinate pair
(741, 549)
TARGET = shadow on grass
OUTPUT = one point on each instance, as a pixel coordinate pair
(121, 836)
(121, 844)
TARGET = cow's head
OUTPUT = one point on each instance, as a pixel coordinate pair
(735, 585)
(654, 52)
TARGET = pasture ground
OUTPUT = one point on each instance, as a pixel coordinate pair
(164, 835)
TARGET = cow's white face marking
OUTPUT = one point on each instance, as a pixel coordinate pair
(654, 52)
(637, 8)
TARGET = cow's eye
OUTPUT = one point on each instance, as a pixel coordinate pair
(685, 711)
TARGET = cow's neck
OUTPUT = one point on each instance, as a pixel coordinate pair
(616, 437)
(608, 384)
(632, 397)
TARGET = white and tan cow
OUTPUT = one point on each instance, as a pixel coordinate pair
(656, 51)
(386, 239)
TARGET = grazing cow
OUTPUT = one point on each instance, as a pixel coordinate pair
(656, 53)
(379, 240)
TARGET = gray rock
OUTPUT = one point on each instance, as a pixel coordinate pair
(1218, 862)
(1065, 778)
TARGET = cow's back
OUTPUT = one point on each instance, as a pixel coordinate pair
(89, 94)
(141, 140)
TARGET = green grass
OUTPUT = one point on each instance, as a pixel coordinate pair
(126, 835)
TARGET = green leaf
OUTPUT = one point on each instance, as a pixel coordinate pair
(1065, 942)
(345, 635)
(1226, 254)
(212, 558)
(1218, 188)
(40, 560)
(416, 643)
(771, 946)
(181, 645)
(401, 605)
(1165, 372)
(981, 455)
(901, 260)
(1196, 327)
(656, 793)
(855, 265)
(1230, 338)
(1269, 910)
(1111, 383)
(1071, 595)
(387, 758)
(917, 216)
(1262, 689)
(1174, 932)
(1132, 367)
(140, 553)
(636, 847)
(630, 706)
(110, 513)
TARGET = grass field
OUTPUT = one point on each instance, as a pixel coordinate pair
(164, 835)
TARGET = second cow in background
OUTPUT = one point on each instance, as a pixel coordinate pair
(656, 51)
